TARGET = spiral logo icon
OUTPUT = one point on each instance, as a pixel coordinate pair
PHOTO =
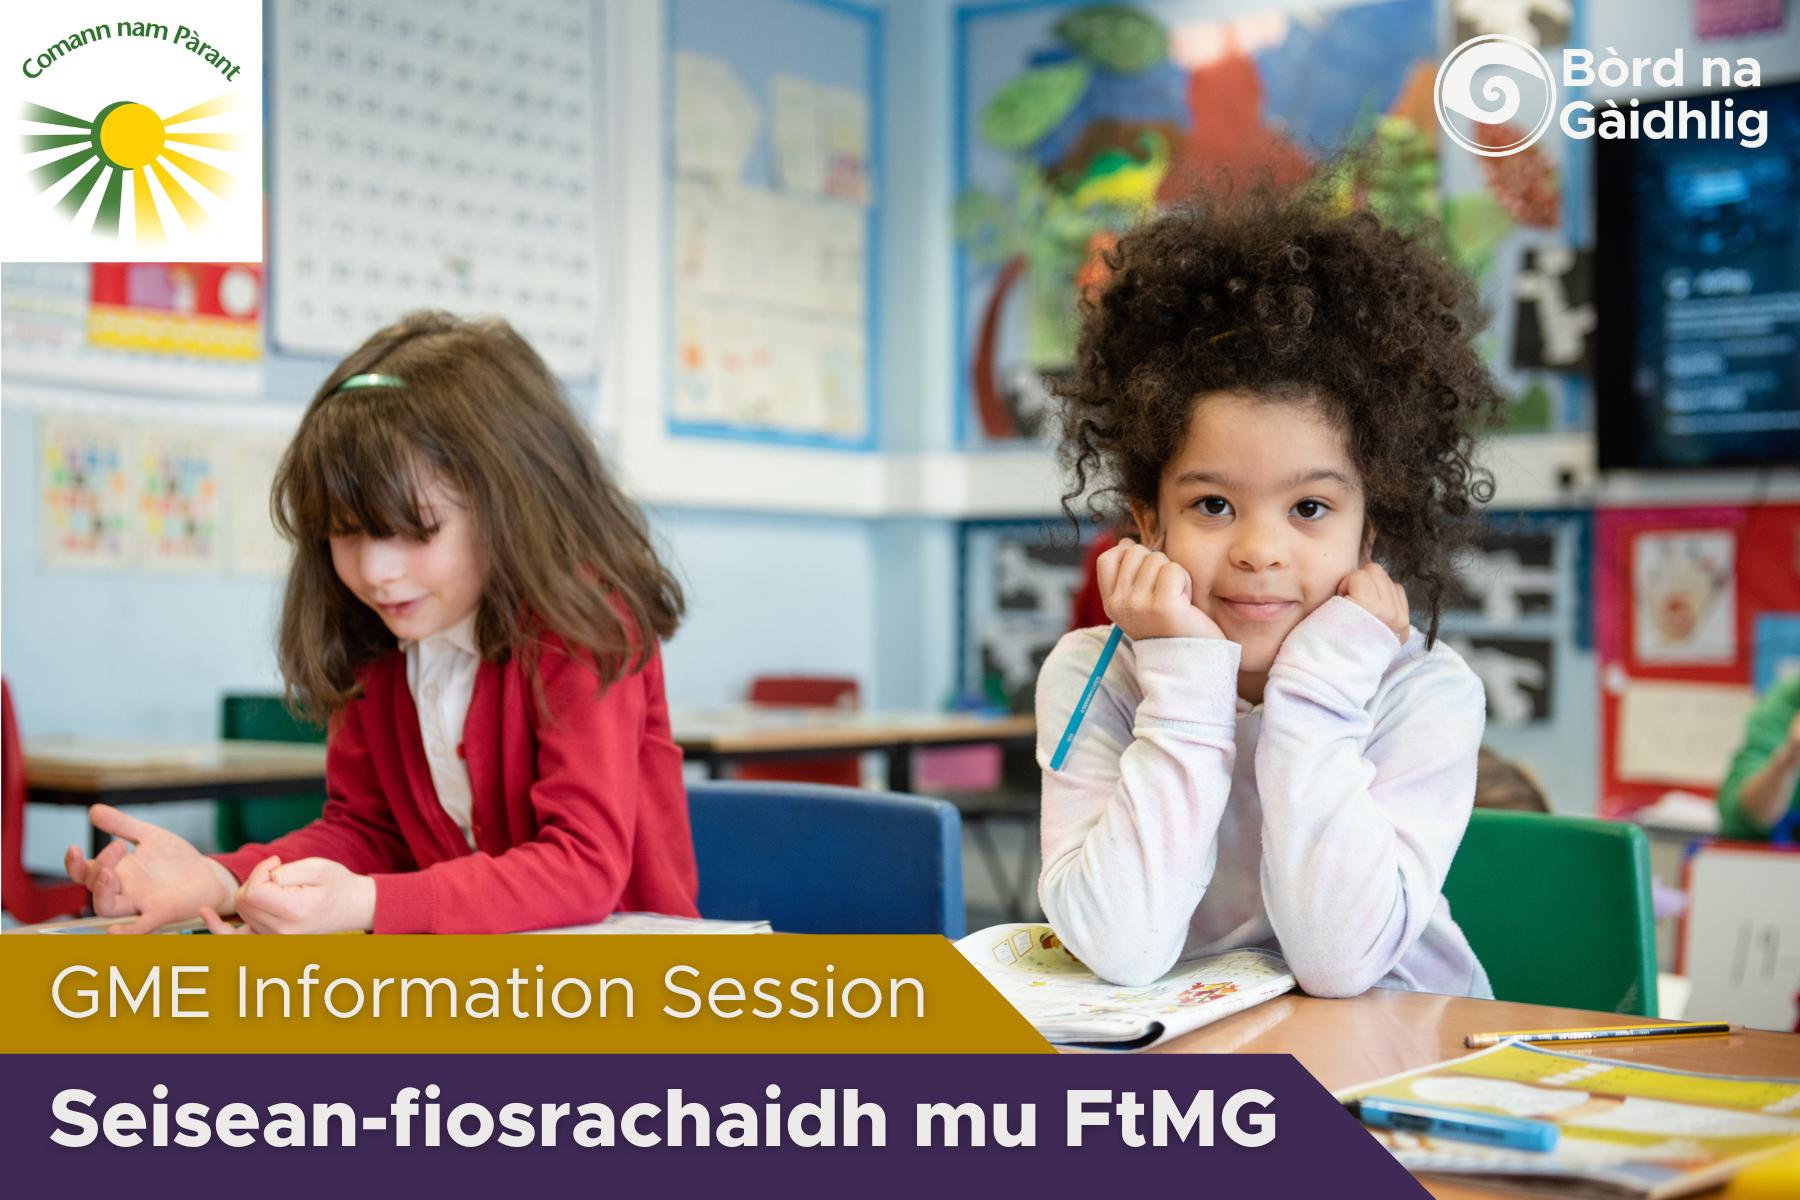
(1491, 88)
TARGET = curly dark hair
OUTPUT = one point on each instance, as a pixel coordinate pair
(1285, 295)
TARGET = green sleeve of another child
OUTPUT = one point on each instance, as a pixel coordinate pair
(1764, 734)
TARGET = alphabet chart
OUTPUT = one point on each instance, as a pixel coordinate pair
(432, 154)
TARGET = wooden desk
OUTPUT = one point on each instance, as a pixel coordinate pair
(83, 771)
(715, 739)
(1382, 1032)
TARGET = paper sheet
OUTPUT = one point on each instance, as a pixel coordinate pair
(846, 117)
(716, 117)
(798, 125)
(1680, 733)
(177, 500)
(84, 496)
(252, 545)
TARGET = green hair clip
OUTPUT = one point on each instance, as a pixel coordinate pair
(369, 381)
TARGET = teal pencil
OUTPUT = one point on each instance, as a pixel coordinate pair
(1087, 698)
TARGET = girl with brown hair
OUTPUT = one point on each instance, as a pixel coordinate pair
(475, 608)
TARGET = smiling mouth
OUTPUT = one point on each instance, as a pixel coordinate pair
(401, 609)
(1256, 608)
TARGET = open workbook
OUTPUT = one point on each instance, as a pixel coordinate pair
(1625, 1129)
(1072, 1006)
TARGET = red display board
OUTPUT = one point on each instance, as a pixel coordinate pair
(1676, 596)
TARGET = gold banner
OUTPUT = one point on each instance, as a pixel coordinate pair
(771, 994)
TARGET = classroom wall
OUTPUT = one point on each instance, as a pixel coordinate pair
(135, 656)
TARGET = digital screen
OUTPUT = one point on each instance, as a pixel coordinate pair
(1698, 272)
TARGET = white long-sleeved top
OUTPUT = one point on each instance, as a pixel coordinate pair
(1322, 822)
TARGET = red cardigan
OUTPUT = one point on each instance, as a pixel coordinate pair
(574, 817)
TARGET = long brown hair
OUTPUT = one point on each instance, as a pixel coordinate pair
(566, 551)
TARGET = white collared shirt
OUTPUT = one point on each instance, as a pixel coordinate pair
(440, 673)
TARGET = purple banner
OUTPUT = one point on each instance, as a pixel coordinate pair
(471, 1124)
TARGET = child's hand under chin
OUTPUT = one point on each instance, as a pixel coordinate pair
(1373, 589)
(1150, 595)
(311, 895)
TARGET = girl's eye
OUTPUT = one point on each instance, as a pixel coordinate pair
(1213, 506)
(1310, 510)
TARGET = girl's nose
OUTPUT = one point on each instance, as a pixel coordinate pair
(383, 560)
(1258, 546)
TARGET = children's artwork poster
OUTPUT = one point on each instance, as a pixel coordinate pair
(436, 156)
(1018, 584)
(1520, 224)
(1553, 313)
(1517, 609)
(203, 310)
(1518, 675)
(177, 499)
(84, 497)
(1683, 586)
(1534, 22)
(1689, 605)
(1074, 121)
(1510, 573)
(773, 222)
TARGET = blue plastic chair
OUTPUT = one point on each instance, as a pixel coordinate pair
(809, 858)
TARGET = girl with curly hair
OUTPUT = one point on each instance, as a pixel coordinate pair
(1284, 397)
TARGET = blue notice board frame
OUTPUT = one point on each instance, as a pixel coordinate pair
(760, 38)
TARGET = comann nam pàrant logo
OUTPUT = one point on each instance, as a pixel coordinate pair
(127, 145)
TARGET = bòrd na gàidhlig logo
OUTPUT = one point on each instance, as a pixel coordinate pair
(137, 132)
(1496, 95)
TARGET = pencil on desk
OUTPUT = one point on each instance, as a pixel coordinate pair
(1087, 698)
(1478, 1041)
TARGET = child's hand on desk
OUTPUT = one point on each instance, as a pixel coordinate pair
(312, 895)
(1149, 595)
(163, 879)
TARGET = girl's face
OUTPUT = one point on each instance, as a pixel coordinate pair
(418, 588)
(1263, 507)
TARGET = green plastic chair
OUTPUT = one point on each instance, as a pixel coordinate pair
(262, 718)
(1558, 909)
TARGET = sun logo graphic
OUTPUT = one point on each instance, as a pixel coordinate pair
(128, 148)
(136, 140)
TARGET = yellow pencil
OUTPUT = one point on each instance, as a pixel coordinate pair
(1476, 1041)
